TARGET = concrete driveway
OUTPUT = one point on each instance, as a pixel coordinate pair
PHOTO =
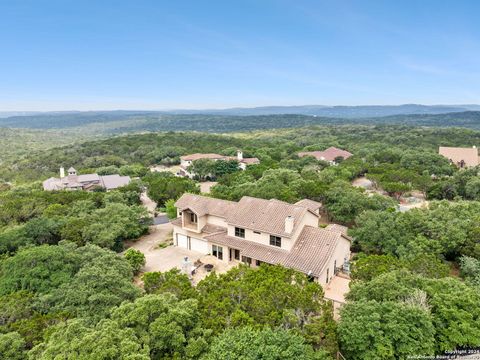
(157, 257)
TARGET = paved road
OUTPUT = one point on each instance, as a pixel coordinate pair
(148, 203)
(160, 219)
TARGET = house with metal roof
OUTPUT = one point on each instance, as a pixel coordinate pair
(73, 181)
(255, 231)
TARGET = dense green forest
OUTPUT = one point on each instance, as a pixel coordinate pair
(16, 143)
(166, 148)
(66, 292)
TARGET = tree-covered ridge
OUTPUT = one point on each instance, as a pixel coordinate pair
(62, 129)
(112, 122)
(166, 148)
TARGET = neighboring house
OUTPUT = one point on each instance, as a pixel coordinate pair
(329, 155)
(187, 160)
(257, 230)
(461, 157)
(84, 182)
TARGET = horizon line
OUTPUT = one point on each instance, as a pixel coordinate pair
(227, 108)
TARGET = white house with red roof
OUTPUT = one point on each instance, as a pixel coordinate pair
(187, 160)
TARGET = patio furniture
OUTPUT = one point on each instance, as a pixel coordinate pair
(197, 263)
(208, 267)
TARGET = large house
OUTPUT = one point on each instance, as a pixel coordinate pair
(84, 182)
(187, 160)
(461, 157)
(254, 230)
(331, 155)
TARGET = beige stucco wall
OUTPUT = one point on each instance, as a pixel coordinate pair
(183, 231)
(226, 251)
(202, 221)
(287, 243)
(308, 220)
(216, 220)
(262, 238)
(341, 251)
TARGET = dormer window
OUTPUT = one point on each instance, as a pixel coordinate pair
(239, 232)
(193, 218)
(275, 241)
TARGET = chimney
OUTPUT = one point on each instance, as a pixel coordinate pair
(62, 172)
(239, 155)
(289, 224)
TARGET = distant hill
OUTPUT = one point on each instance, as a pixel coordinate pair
(338, 111)
(5, 114)
(122, 122)
(468, 119)
(59, 120)
(79, 118)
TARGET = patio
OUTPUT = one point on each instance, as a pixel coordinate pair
(219, 267)
(336, 291)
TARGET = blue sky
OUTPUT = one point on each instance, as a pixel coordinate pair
(138, 54)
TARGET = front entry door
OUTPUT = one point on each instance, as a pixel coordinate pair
(234, 254)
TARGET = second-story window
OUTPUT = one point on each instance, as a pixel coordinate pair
(275, 241)
(193, 218)
(239, 232)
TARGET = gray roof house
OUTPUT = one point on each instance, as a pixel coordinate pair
(84, 182)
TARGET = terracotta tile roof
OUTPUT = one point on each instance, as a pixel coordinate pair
(312, 250)
(337, 228)
(265, 215)
(223, 239)
(202, 205)
(176, 222)
(251, 213)
(197, 156)
(327, 155)
(213, 229)
(309, 204)
(265, 253)
(457, 154)
(249, 161)
(269, 254)
(309, 254)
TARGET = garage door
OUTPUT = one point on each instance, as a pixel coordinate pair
(182, 241)
(199, 245)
